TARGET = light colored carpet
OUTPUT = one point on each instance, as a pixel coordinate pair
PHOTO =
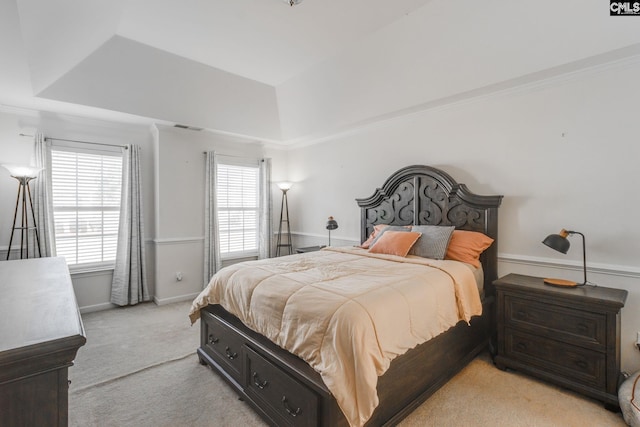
(482, 395)
(176, 393)
(139, 368)
(125, 340)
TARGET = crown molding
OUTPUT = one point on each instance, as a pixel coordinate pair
(619, 58)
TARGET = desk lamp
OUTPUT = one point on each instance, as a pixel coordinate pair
(560, 243)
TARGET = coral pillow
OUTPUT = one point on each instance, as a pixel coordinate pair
(390, 228)
(466, 246)
(395, 243)
(376, 230)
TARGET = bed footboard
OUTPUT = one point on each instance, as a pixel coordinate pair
(282, 388)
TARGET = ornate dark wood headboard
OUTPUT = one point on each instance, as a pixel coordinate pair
(423, 195)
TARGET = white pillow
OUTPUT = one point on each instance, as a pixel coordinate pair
(629, 398)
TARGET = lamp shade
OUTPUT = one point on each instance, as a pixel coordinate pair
(284, 186)
(21, 171)
(558, 242)
(331, 224)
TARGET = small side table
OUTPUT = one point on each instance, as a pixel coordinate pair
(309, 249)
(567, 336)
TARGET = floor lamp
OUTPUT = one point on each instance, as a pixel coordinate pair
(284, 218)
(24, 203)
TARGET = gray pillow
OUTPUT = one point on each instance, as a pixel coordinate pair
(390, 228)
(434, 241)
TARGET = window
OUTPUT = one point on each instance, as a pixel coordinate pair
(86, 187)
(237, 199)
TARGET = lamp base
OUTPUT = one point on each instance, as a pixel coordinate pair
(561, 283)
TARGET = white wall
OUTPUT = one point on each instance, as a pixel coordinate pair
(563, 153)
(93, 290)
(448, 49)
(180, 172)
(173, 193)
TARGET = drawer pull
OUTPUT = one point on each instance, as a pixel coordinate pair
(581, 364)
(582, 328)
(287, 408)
(521, 346)
(522, 314)
(230, 355)
(212, 339)
(256, 381)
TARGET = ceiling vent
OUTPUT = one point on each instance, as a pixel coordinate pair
(187, 127)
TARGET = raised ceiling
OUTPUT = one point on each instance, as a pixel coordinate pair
(265, 41)
(263, 69)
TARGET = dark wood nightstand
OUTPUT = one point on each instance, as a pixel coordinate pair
(309, 249)
(567, 336)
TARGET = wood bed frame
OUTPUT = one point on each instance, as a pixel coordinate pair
(285, 390)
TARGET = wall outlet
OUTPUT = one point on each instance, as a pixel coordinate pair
(179, 276)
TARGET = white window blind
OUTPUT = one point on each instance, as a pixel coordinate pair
(237, 197)
(86, 191)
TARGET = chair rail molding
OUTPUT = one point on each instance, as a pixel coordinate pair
(597, 268)
(324, 236)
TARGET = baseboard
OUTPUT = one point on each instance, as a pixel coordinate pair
(163, 301)
(157, 301)
(97, 307)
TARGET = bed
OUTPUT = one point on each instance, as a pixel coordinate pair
(282, 387)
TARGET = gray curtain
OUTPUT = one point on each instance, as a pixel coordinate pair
(42, 199)
(264, 226)
(212, 261)
(129, 285)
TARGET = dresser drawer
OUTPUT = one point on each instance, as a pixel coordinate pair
(559, 322)
(288, 402)
(578, 365)
(222, 344)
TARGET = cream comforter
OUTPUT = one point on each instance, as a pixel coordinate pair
(346, 312)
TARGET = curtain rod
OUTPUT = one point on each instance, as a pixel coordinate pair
(231, 155)
(81, 142)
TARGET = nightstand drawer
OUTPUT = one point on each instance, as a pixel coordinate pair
(219, 342)
(558, 322)
(564, 360)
